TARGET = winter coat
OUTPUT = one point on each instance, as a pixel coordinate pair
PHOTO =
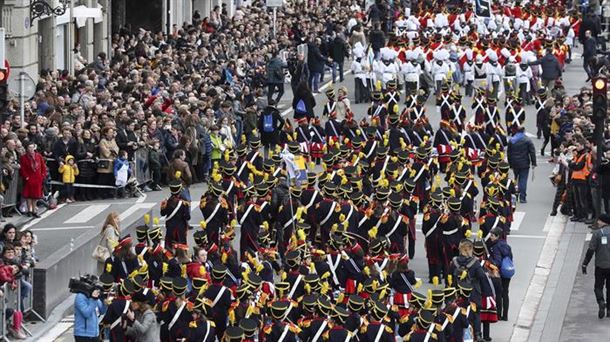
(521, 152)
(338, 50)
(551, 69)
(315, 59)
(269, 138)
(68, 172)
(85, 316)
(145, 328)
(33, 171)
(275, 71)
(497, 251)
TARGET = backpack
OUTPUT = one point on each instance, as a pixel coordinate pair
(507, 268)
(300, 107)
(459, 269)
(268, 126)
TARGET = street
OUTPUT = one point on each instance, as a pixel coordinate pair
(528, 237)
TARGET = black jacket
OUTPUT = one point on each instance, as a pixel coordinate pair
(338, 50)
(521, 152)
(589, 48)
(551, 69)
(315, 59)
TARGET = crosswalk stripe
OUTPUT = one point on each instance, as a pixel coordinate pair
(46, 229)
(517, 220)
(131, 210)
(88, 213)
(42, 217)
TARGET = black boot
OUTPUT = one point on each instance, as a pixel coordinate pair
(602, 310)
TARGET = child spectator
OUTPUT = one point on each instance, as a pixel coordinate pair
(68, 171)
(11, 255)
(122, 173)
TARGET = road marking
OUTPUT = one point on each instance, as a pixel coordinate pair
(131, 210)
(550, 220)
(141, 199)
(195, 205)
(61, 228)
(88, 213)
(527, 236)
(517, 220)
(42, 217)
(588, 237)
(535, 290)
(58, 330)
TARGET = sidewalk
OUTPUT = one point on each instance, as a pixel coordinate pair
(568, 311)
(581, 317)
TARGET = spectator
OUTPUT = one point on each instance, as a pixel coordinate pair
(315, 62)
(299, 71)
(338, 51)
(122, 174)
(589, 52)
(218, 145)
(179, 164)
(275, 77)
(108, 151)
(33, 171)
(580, 167)
(87, 150)
(64, 146)
(111, 230)
(69, 171)
(9, 233)
(154, 163)
(521, 156)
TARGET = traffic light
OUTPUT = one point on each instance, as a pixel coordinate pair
(600, 97)
(3, 91)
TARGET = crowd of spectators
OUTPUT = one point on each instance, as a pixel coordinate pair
(193, 94)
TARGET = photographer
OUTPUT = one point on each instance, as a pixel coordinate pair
(87, 308)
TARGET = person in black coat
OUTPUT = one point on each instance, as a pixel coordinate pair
(589, 52)
(590, 23)
(521, 155)
(551, 69)
(270, 123)
(65, 146)
(377, 40)
(299, 71)
(315, 62)
(338, 51)
(303, 93)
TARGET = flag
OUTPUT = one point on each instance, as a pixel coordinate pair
(483, 8)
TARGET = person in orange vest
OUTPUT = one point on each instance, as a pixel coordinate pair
(581, 168)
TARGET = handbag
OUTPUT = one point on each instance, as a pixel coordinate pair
(100, 253)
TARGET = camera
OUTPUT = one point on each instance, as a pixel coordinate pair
(85, 284)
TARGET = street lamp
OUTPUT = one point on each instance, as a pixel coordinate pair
(39, 8)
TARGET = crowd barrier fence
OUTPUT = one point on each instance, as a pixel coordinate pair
(139, 166)
(10, 195)
(3, 331)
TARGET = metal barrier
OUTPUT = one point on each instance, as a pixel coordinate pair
(10, 195)
(3, 331)
(141, 170)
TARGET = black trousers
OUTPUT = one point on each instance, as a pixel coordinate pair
(86, 339)
(580, 190)
(502, 300)
(602, 278)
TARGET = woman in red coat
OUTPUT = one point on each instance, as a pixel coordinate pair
(33, 171)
